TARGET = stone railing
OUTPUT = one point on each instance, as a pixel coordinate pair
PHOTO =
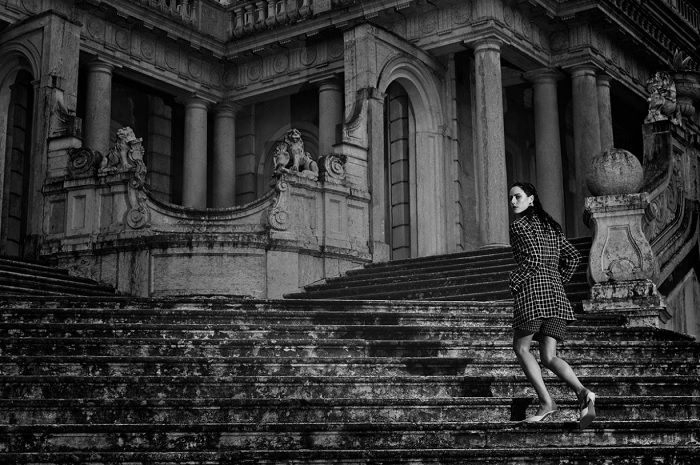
(686, 10)
(182, 10)
(102, 223)
(646, 220)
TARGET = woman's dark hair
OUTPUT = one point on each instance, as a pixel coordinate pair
(536, 208)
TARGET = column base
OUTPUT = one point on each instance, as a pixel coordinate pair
(638, 302)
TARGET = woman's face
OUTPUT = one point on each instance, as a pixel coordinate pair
(519, 200)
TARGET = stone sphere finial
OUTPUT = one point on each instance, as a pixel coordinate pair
(615, 171)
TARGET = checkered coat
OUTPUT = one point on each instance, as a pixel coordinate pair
(545, 261)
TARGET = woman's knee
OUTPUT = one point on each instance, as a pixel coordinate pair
(521, 348)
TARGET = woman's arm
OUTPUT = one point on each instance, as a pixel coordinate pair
(569, 259)
(526, 255)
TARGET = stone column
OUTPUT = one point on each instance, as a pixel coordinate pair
(604, 112)
(194, 179)
(98, 107)
(586, 135)
(224, 156)
(330, 114)
(490, 143)
(550, 181)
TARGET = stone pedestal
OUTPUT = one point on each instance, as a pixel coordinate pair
(622, 265)
(490, 143)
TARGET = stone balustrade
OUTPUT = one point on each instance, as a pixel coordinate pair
(184, 10)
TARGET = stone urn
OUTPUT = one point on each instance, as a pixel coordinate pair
(613, 172)
(687, 91)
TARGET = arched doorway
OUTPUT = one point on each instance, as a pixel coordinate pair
(399, 162)
(16, 170)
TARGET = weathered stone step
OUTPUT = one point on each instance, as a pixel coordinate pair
(183, 332)
(488, 316)
(223, 348)
(259, 411)
(486, 271)
(319, 366)
(427, 289)
(551, 455)
(341, 436)
(219, 384)
(53, 284)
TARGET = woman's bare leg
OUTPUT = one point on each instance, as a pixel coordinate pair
(548, 355)
(529, 364)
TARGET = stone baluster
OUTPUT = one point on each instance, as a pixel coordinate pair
(260, 10)
(271, 16)
(249, 18)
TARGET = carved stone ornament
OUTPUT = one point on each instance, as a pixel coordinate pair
(117, 158)
(63, 121)
(332, 167)
(138, 215)
(662, 99)
(83, 161)
(290, 157)
(278, 216)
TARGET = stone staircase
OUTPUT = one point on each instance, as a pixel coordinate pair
(480, 275)
(27, 278)
(97, 380)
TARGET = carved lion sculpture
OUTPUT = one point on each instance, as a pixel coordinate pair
(301, 160)
(117, 158)
(662, 99)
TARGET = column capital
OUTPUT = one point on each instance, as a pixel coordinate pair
(583, 69)
(603, 80)
(487, 44)
(227, 108)
(543, 75)
(194, 101)
(99, 65)
(327, 81)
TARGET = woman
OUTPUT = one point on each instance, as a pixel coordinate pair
(545, 260)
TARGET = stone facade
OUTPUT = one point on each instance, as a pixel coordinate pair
(417, 114)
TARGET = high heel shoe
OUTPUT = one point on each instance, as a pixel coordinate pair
(539, 418)
(587, 408)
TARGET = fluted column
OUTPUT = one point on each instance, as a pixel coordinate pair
(490, 143)
(194, 179)
(550, 180)
(330, 114)
(98, 106)
(605, 112)
(586, 135)
(224, 156)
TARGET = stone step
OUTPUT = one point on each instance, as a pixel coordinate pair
(488, 270)
(213, 383)
(550, 455)
(341, 436)
(181, 332)
(455, 318)
(428, 289)
(318, 366)
(44, 284)
(260, 411)
(223, 348)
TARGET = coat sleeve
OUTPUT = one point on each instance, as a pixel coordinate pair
(569, 259)
(526, 257)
